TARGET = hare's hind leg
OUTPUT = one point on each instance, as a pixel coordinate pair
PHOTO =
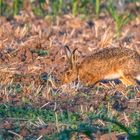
(128, 80)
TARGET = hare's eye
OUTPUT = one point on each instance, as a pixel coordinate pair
(68, 72)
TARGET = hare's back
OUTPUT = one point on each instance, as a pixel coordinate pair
(110, 53)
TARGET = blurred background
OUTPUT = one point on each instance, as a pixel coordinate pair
(83, 8)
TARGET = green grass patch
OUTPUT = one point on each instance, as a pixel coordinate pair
(69, 123)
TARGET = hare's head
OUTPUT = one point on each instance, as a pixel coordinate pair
(71, 72)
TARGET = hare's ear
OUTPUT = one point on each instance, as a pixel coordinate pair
(69, 55)
(74, 57)
(68, 52)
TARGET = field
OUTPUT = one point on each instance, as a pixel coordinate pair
(33, 105)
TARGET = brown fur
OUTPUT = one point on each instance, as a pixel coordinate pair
(123, 62)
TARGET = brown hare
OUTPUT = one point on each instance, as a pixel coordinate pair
(108, 63)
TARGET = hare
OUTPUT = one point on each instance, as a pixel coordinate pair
(108, 63)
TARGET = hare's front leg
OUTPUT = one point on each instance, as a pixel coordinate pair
(89, 79)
